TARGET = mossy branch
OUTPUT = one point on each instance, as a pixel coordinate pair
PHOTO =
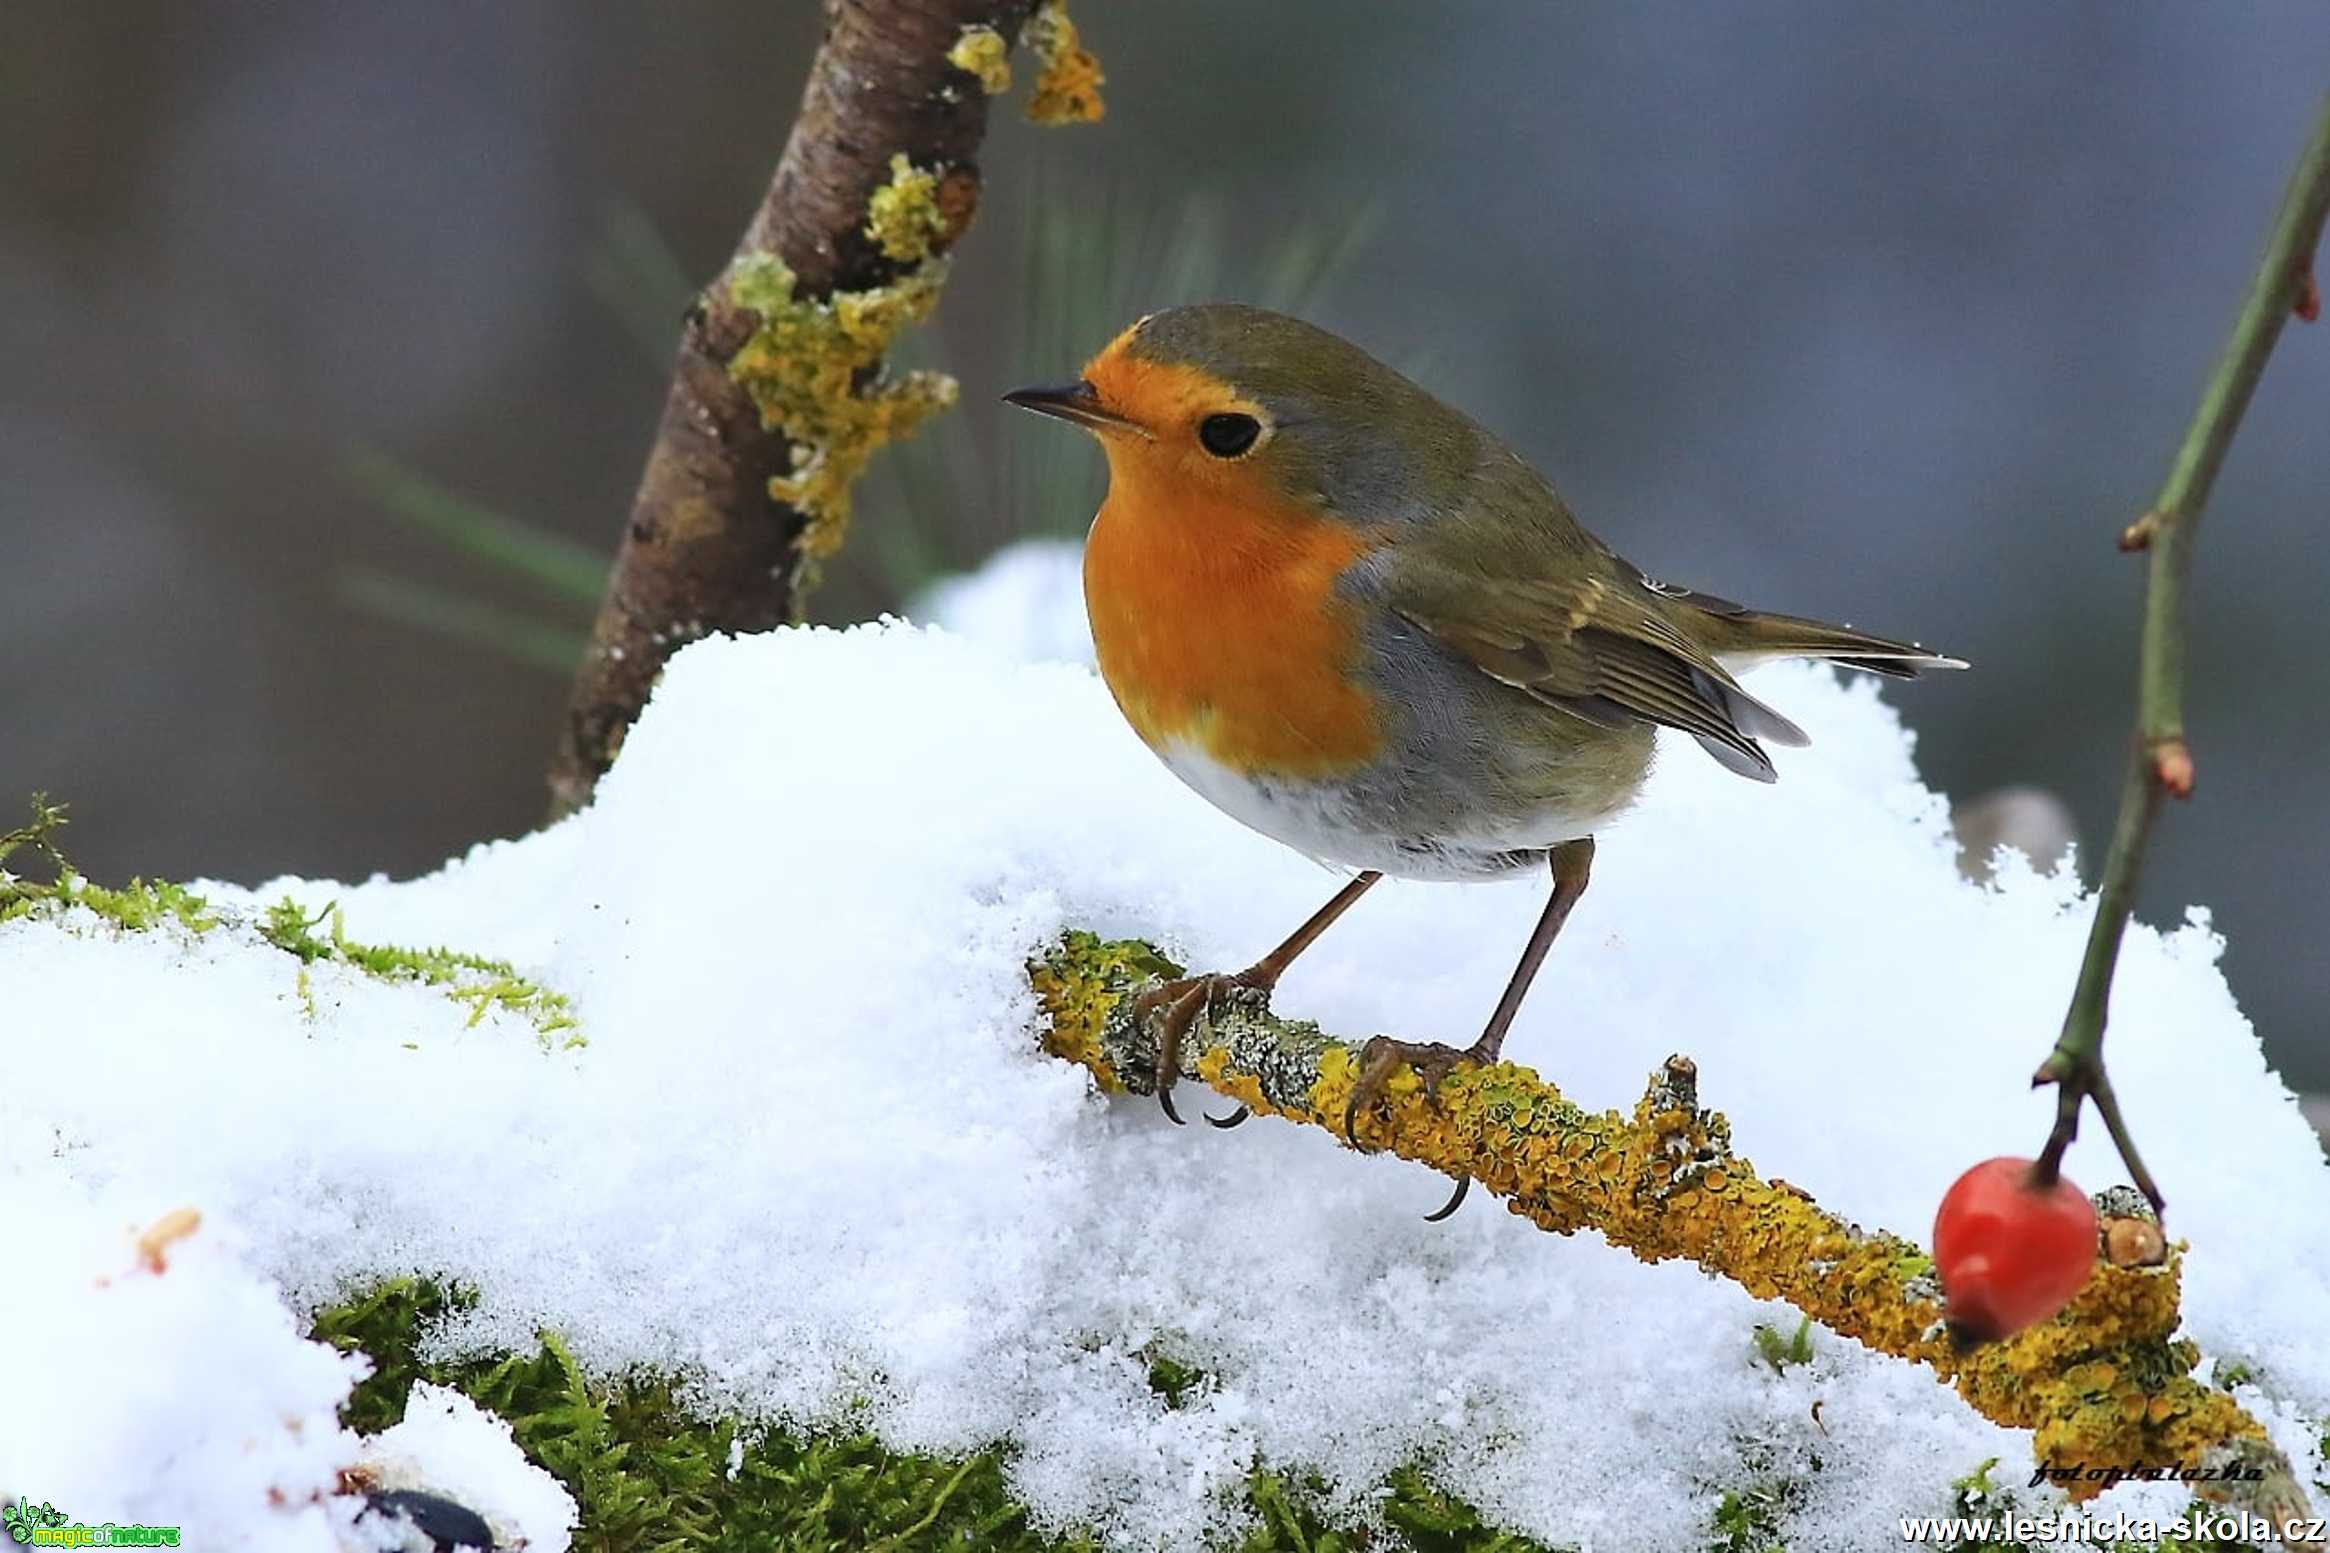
(779, 394)
(479, 983)
(2161, 762)
(2105, 1383)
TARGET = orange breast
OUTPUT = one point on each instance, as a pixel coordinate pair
(1217, 625)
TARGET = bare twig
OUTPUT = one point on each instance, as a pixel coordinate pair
(2161, 763)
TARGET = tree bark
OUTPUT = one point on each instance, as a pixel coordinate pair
(708, 547)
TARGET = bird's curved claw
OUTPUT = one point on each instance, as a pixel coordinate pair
(1183, 1001)
(1225, 1123)
(1383, 1055)
(1179, 1016)
(1455, 1201)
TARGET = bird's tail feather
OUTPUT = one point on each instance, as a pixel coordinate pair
(1749, 636)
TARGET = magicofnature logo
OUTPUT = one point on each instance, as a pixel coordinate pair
(45, 1526)
(22, 1517)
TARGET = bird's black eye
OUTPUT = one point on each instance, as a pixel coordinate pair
(1227, 436)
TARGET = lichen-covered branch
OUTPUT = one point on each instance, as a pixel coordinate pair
(779, 394)
(2161, 762)
(2105, 1383)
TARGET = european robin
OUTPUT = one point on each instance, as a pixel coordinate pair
(1359, 623)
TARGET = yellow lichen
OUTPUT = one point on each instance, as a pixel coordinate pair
(1213, 1066)
(813, 368)
(1079, 986)
(1067, 90)
(2104, 1381)
(903, 216)
(981, 52)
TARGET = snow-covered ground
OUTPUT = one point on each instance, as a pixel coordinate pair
(812, 1160)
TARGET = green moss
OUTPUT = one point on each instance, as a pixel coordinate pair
(1173, 1380)
(1975, 1497)
(286, 925)
(478, 982)
(386, 1323)
(1747, 1519)
(1780, 1352)
(649, 1474)
(1434, 1523)
(141, 904)
(135, 907)
(1286, 1517)
(38, 833)
(1749, 1514)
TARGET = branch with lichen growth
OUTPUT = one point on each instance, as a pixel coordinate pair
(1067, 88)
(779, 395)
(2104, 1383)
(2161, 763)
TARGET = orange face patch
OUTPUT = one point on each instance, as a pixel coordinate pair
(1165, 398)
(1212, 594)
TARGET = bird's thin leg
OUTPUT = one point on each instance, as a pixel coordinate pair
(1572, 863)
(1264, 973)
(1183, 1000)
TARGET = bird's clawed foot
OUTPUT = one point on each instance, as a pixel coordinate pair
(1433, 1062)
(1383, 1056)
(1183, 1001)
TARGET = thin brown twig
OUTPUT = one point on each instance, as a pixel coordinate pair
(2161, 762)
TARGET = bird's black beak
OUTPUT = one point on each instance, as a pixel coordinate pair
(1077, 401)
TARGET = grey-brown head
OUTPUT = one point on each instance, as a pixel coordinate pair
(1325, 422)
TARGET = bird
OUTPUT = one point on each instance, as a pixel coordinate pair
(1356, 621)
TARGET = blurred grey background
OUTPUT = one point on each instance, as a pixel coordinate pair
(1883, 312)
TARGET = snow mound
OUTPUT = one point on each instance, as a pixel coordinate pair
(157, 1380)
(812, 1160)
(161, 1388)
(450, 1447)
(1027, 602)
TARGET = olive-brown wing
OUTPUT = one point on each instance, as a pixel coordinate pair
(1600, 650)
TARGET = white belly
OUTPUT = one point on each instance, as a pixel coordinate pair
(1345, 826)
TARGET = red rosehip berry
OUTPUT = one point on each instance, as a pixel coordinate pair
(2010, 1253)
